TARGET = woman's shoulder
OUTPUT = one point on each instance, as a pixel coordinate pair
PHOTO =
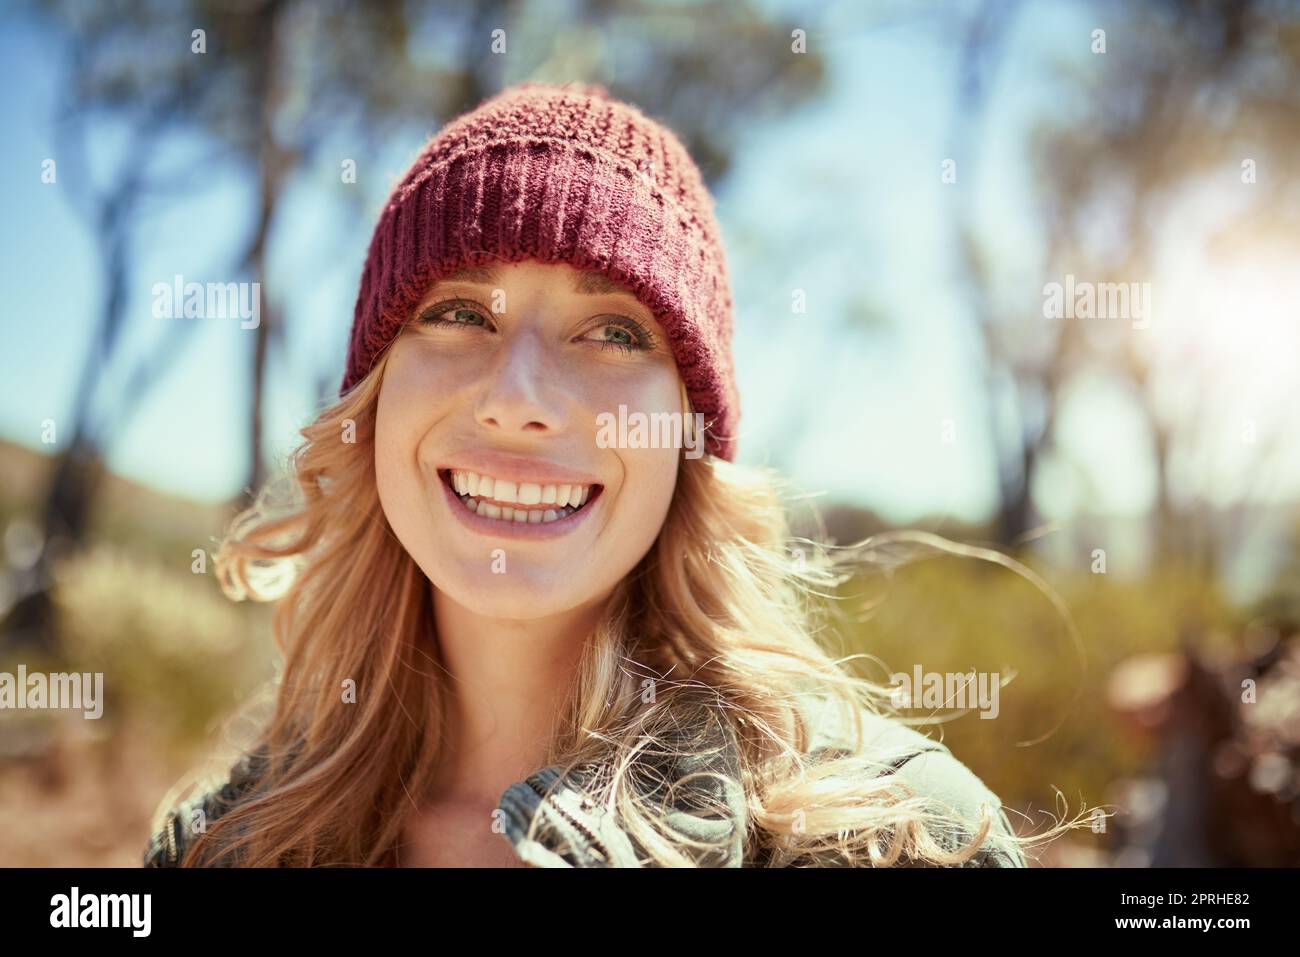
(930, 770)
(183, 821)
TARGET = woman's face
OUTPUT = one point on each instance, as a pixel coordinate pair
(488, 425)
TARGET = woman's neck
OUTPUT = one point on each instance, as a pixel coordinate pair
(508, 681)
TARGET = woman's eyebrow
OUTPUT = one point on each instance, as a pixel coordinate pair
(483, 275)
(591, 283)
(586, 283)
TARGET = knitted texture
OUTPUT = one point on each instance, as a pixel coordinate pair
(561, 174)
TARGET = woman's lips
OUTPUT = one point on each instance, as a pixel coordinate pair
(500, 528)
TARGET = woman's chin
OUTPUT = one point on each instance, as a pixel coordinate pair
(516, 594)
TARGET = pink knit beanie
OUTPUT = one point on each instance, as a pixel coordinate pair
(561, 174)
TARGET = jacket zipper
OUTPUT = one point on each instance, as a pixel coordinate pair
(170, 832)
(582, 828)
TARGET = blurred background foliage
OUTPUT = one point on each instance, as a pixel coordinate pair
(1112, 173)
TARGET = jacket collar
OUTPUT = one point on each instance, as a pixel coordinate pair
(707, 806)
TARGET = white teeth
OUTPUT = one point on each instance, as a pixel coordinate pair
(523, 516)
(475, 490)
(502, 491)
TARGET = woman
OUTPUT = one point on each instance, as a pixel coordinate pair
(516, 633)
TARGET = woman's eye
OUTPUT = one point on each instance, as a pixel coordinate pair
(453, 314)
(626, 335)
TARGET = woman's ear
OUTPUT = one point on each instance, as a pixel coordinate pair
(689, 436)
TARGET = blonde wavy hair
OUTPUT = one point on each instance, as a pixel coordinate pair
(719, 601)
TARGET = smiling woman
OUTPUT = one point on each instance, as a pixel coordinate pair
(555, 650)
(507, 398)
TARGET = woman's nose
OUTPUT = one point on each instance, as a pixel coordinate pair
(520, 393)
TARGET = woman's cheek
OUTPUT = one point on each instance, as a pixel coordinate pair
(426, 372)
(395, 466)
(420, 388)
(650, 478)
(649, 474)
(404, 422)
